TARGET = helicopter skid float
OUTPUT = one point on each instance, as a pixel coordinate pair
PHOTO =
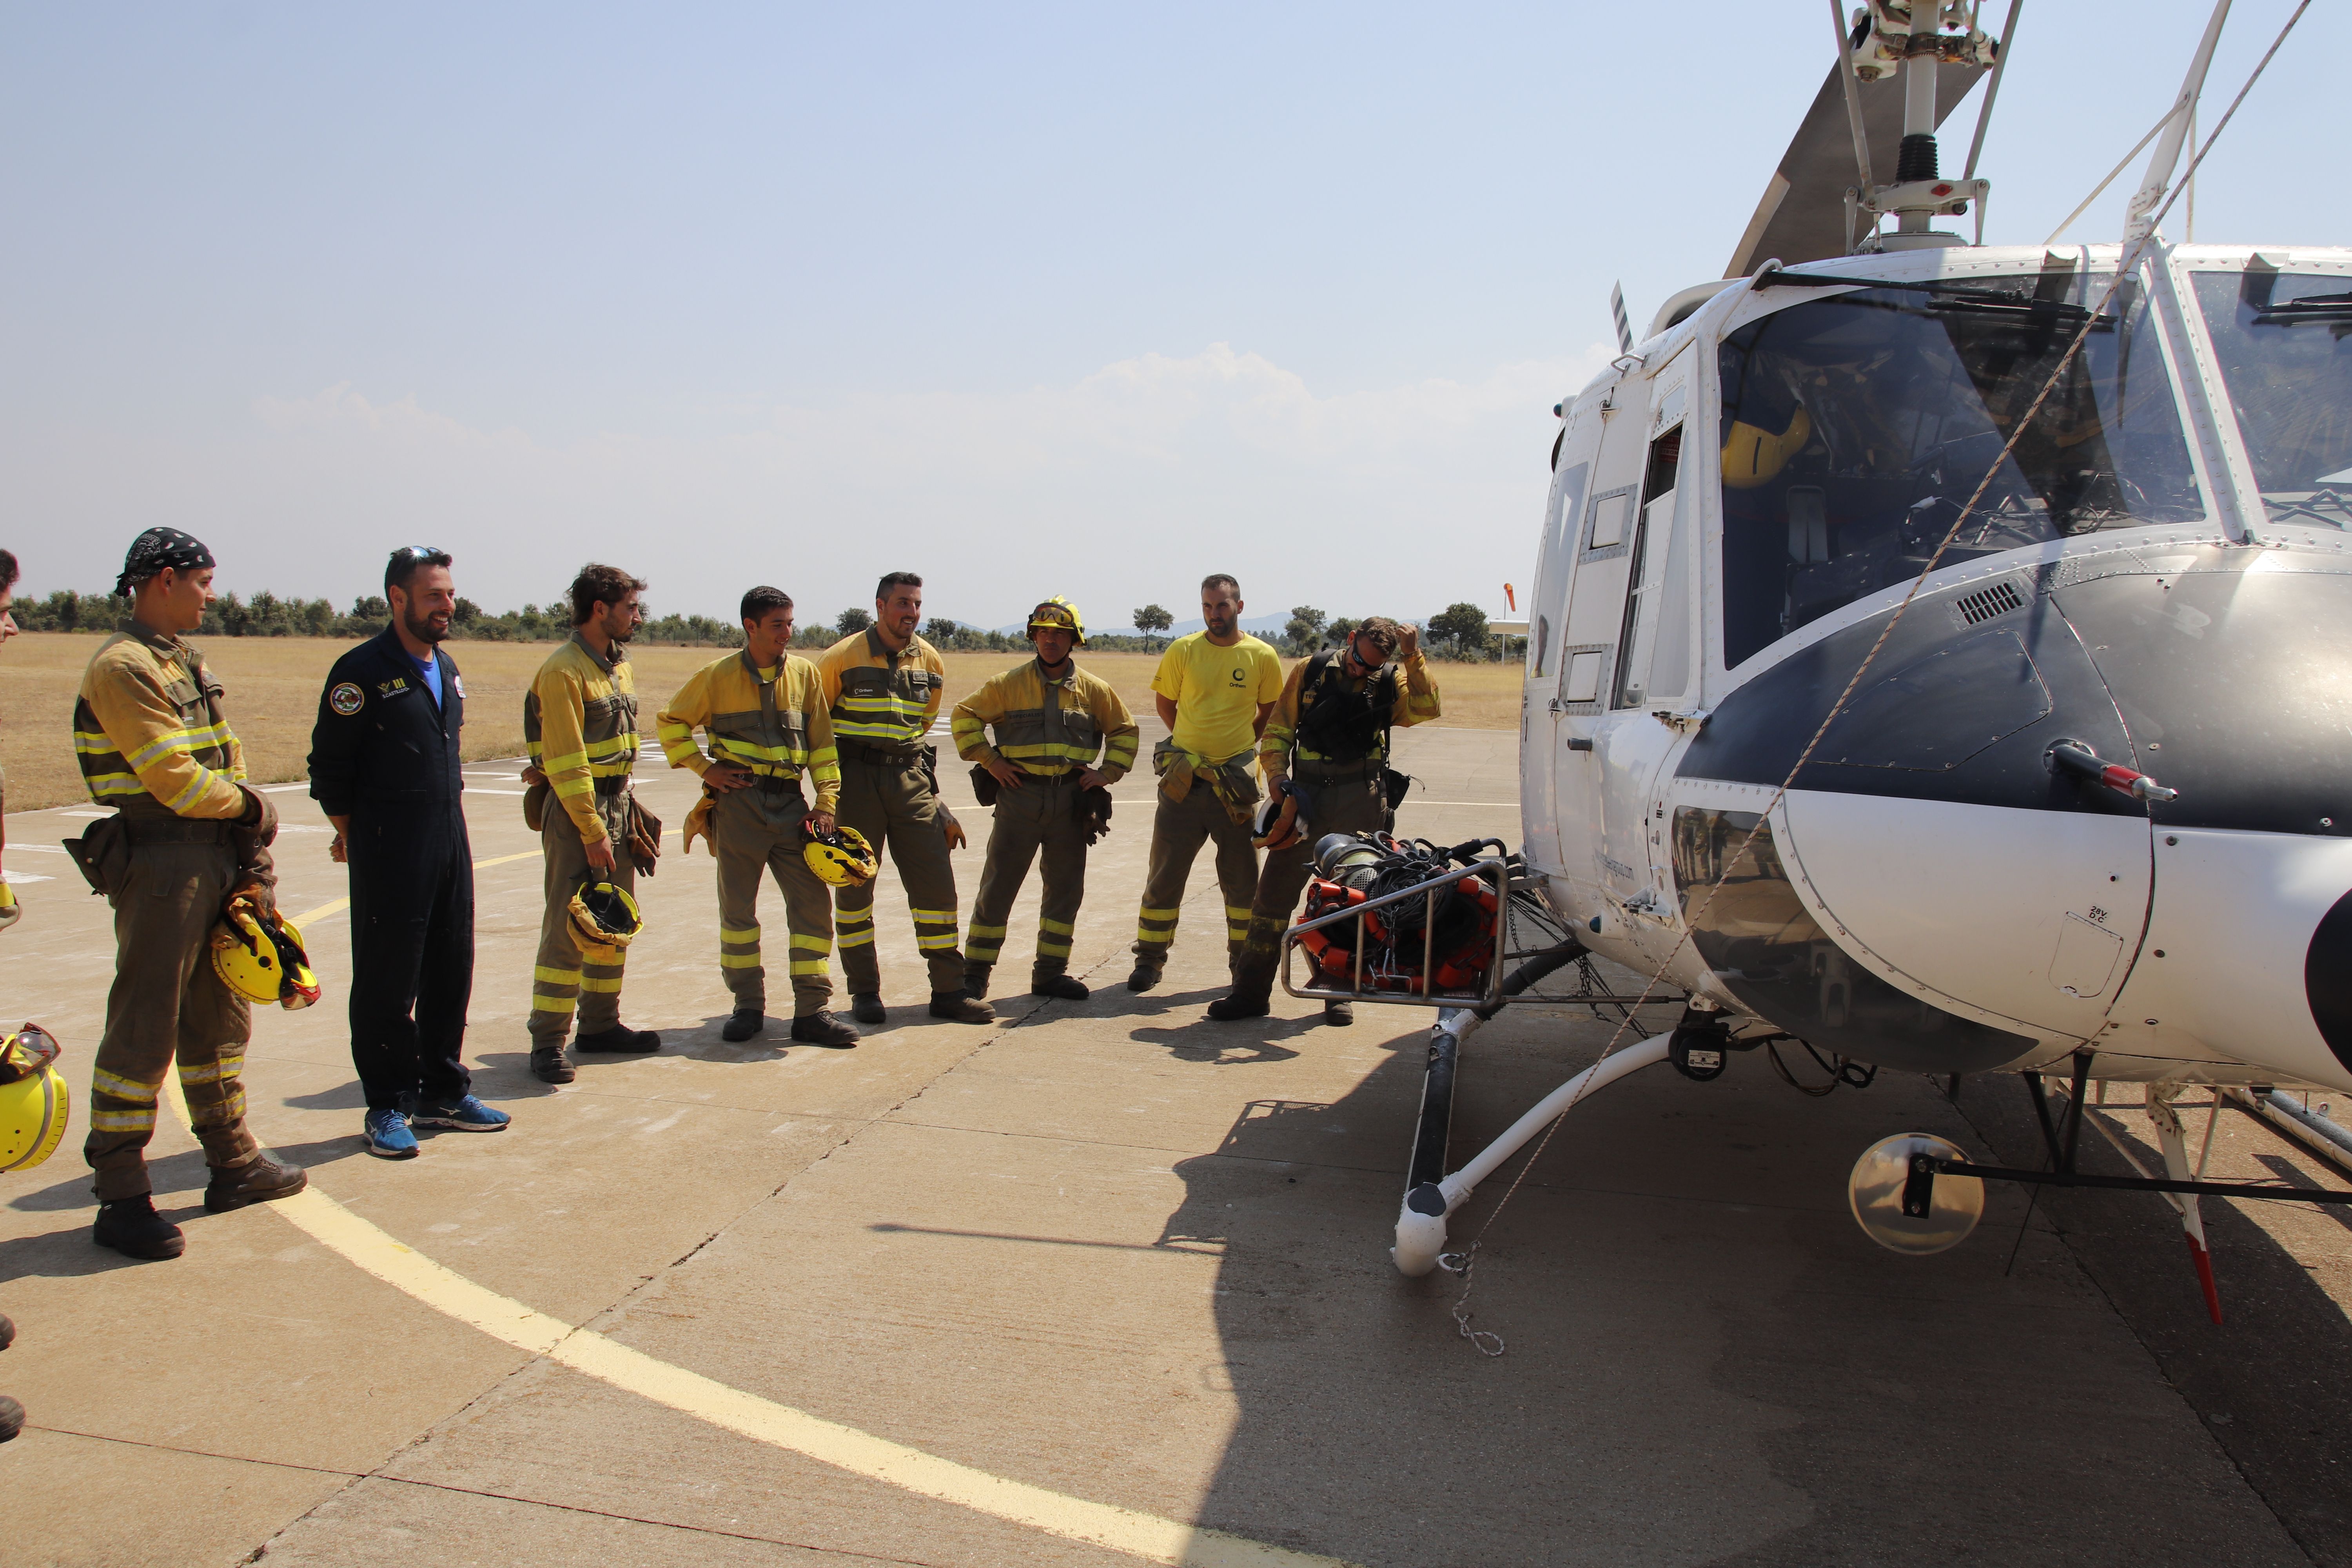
(1941, 656)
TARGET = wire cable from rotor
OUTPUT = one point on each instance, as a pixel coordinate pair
(2126, 264)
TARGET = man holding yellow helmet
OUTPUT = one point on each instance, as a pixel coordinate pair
(1051, 718)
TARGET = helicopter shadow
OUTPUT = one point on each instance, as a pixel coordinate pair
(1705, 1359)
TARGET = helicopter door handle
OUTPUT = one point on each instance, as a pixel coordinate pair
(1580, 743)
(2079, 759)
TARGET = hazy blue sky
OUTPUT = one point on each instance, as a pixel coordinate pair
(1086, 299)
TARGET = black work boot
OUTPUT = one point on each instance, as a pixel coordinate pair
(1339, 1015)
(12, 1419)
(1252, 989)
(548, 1064)
(7, 1332)
(867, 1008)
(1058, 982)
(743, 1023)
(1146, 976)
(257, 1181)
(619, 1041)
(824, 1029)
(133, 1228)
(975, 981)
(958, 1009)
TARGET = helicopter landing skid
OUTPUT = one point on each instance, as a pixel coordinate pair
(1429, 1194)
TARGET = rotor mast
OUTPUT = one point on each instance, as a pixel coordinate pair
(1909, 37)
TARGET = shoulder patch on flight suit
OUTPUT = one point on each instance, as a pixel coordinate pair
(458, 681)
(345, 698)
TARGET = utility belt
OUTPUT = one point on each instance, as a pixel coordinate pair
(1315, 770)
(179, 830)
(776, 784)
(882, 756)
(616, 783)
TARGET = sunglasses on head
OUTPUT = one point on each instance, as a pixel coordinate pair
(417, 553)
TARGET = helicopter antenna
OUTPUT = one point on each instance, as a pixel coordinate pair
(2138, 222)
(1617, 310)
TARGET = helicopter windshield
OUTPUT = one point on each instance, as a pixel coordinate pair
(2285, 343)
(1856, 426)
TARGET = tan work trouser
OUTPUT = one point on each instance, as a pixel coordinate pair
(1178, 830)
(563, 979)
(894, 806)
(168, 1001)
(1043, 814)
(757, 831)
(1352, 804)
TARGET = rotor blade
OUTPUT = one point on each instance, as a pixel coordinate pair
(1802, 214)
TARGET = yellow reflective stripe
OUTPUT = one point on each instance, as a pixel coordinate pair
(745, 934)
(123, 1121)
(826, 757)
(591, 983)
(558, 764)
(1052, 949)
(978, 930)
(806, 966)
(212, 1072)
(114, 783)
(551, 1004)
(933, 943)
(96, 743)
(556, 977)
(849, 938)
(813, 943)
(1234, 914)
(1059, 928)
(572, 785)
(1156, 937)
(1152, 914)
(205, 778)
(934, 917)
(726, 961)
(104, 1082)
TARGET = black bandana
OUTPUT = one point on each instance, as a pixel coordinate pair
(156, 548)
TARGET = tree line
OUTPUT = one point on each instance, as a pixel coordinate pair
(1458, 632)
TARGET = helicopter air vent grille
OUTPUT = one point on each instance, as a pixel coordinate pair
(1986, 603)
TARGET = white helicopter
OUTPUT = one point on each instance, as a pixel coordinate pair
(2088, 807)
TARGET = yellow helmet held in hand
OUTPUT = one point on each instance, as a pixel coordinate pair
(841, 857)
(261, 958)
(34, 1099)
(604, 918)
(1057, 612)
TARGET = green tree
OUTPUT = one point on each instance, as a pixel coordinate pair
(1462, 628)
(1304, 629)
(850, 623)
(942, 633)
(1151, 620)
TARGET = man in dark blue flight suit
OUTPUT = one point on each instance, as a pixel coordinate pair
(384, 768)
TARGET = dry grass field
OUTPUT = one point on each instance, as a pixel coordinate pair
(274, 684)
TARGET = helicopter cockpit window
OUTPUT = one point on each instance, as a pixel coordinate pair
(2285, 343)
(1856, 426)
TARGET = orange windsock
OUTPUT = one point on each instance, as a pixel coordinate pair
(1510, 598)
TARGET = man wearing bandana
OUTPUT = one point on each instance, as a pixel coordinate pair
(188, 837)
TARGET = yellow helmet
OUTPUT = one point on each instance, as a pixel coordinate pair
(842, 857)
(261, 958)
(34, 1099)
(1057, 612)
(604, 918)
(1751, 456)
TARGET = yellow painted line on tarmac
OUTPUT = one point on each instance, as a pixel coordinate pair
(1143, 1535)
(337, 905)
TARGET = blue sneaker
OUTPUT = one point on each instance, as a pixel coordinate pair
(469, 1115)
(388, 1137)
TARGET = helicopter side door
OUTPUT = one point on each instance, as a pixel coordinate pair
(1539, 752)
(1611, 438)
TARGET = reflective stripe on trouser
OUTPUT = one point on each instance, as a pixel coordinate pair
(167, 1003)
(1042, 814)
(563, 979)
(1179, 828)
(1354, 805)
(894, 808)
(755, 831)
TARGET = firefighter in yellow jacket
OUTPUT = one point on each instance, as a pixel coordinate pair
(1325, 754)
(580, 728)
(883, 686)
(763, 714)
(1051, 719)
(187, 838)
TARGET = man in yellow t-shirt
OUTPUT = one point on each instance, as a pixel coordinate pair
(1214, 689)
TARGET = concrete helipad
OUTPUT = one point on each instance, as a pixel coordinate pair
(1109, 1283)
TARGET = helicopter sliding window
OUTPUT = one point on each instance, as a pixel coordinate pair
(2284, 343)
(1651, 533)
(1856, 426)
